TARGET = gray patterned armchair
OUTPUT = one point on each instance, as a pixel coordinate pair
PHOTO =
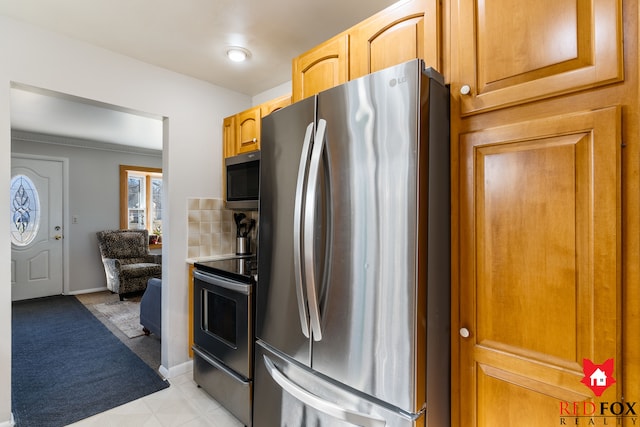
(127, 262)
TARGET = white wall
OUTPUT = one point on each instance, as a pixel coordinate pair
(268, 95)
(191, 154)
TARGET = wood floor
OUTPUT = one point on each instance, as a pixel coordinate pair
(146, 347)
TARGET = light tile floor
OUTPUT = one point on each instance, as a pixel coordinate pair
(182, 404)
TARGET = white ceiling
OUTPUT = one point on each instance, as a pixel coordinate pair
(190, 37)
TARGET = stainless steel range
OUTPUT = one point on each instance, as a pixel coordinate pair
(223, 336)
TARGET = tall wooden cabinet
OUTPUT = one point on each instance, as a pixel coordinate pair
(540, 110)
(539, 265)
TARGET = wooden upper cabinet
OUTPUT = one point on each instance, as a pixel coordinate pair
(540, 267)
(248, 130)
(509, 54)
(323, 67)
(275, 104)
(228, 150)
(404, 31)
(229, 137)
(241, 132)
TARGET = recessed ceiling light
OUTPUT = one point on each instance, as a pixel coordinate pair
(238, 54)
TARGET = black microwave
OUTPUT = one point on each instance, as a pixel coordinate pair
(243, 181)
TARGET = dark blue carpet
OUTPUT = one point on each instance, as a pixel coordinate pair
(66, 365)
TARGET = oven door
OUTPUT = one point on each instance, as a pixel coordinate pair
(222, 320)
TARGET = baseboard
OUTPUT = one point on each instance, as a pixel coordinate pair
(183, 368)
(86, 291)
(10, 423)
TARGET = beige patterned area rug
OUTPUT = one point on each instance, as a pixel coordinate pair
(125, 315)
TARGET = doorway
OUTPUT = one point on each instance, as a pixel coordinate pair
(90, 185)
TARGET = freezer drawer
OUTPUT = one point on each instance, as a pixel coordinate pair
(231, 390)
(289, 394)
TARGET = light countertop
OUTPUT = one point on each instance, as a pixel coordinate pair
(210, 258)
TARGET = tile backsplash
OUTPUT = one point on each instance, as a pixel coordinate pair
(211, 228)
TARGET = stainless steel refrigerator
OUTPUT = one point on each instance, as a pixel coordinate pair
(352, 320)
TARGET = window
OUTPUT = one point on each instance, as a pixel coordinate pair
(25, 210)
(141, 200)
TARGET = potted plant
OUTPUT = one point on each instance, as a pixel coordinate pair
(156, 236)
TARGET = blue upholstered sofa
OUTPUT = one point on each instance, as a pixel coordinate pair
(150, 308)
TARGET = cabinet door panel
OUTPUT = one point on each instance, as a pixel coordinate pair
(228, 150)
(400, 33)
(539, 272)
(275, 104)
(323, 67)
(229, 137)
(248, 130)
(510, 54)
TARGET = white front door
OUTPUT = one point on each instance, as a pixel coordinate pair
(36, 214)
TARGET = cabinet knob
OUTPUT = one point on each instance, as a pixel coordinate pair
(465, 90)
(254, 140)
(464, 333)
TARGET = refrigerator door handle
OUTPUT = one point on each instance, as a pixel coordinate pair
(297, 231)
(309, 225)
(318, 403)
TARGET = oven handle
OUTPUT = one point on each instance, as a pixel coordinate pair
(297, 231)
(241, 288)
(211, 361)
